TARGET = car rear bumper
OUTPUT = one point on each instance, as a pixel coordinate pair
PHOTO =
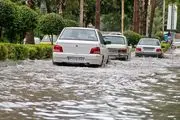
(149, 53)
(89, 59)
(118, 56)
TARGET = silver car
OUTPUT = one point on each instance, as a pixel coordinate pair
(149, 47)
(119, 46)
(80, 46)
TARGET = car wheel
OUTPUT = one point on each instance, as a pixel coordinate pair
(107, 60)
(126, 58)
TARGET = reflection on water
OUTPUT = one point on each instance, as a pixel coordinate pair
(143, 88)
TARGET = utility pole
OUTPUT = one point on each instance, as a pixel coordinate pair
(122, 17)
(81, 12)
(97, 24)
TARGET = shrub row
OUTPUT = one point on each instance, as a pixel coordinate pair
(22, 52)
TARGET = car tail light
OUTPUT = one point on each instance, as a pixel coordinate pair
(95, 50)
(123, 50)
(158, 50)
(138, 49)
(57, 48)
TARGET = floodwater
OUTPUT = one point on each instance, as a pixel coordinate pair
(140, 89)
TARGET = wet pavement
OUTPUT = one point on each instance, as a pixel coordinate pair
(140, 89)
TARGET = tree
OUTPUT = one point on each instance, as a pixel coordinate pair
(30, 34)
(6, 15)
(153, 8)
(51, 24)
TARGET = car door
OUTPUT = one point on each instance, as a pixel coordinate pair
(104, 50)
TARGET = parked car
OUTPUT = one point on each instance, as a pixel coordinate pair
(176, 43)
(149, 47)
(80, 46)
(47, 39)
(118, 48)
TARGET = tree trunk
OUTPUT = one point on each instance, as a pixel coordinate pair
(43, 6)
(122, 16)
(153, 8)
(0, 32)
(97, 25)
(136, 16)
(145, 14)
(60, 6)
(30, 35)
(81, 15)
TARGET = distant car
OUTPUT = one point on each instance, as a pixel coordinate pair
(80, 46)
(47, 39)
(149, 47)
(118, 48)
(176, 42)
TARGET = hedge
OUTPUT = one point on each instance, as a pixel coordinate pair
(22, 52)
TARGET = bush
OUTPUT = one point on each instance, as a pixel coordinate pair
(165, 46)
(132, 37)
(70, 23)
(32, 53)
(22, 52)
(159, 35)
(3, 53)
(51, 24)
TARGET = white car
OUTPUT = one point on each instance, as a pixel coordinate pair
(119, 46)
(81, 46)
(149, 47)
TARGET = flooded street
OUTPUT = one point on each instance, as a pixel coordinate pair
(140, 89)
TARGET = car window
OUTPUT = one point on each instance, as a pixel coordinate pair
(149, 42)
(101, 38)
(79, 34)
(115, 39)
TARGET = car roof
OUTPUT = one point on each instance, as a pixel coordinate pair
(111, 33)
(119, 35)
(146, 38)
(84, 28)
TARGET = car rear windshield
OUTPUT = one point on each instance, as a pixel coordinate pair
(149, 42)
(79, 34)
(115, 39)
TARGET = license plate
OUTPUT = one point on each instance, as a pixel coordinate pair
(113, 50)
(75, 58)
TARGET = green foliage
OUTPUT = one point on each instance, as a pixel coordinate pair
(159, 35)
(132, 37)
(26, 19)
(165, 46)
(111, 22)
(70, 23)
(22, 52)
(6, 13)
(51, 24)
(3, 53)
